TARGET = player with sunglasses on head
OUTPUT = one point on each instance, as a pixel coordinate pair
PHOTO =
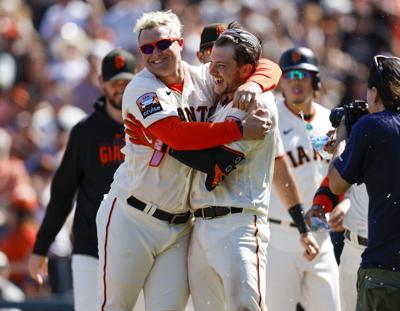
(371, 156)
(313, 283)
(144, 222)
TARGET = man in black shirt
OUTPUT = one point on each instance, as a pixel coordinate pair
(86, 171)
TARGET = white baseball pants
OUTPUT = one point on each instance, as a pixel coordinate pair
(227, 257)
(349, 264)
(138, 251)
(292, 279)
(84, 278)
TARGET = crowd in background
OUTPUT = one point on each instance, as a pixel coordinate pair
(50, 51)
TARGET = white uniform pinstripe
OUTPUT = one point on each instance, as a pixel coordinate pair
(136, 250)
(294, 279)
(228, 254)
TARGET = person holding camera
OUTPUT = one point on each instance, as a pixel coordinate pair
(313, 283)
(370, 156)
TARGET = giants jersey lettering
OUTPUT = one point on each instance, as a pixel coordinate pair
(149, 100)
(308, 166)
(250, 184)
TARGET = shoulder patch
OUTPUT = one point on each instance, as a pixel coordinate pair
(149, 104)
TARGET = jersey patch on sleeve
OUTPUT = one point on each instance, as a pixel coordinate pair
(149, 104)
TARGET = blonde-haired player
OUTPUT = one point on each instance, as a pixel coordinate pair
(143, 223)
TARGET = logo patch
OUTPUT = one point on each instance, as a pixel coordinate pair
(296, 56)
(119, 62)
(219, 29)
(148, 104)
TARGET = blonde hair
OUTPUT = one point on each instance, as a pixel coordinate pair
(151, 20)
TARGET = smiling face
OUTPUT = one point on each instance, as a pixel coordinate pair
(297, 91)
(226, 73)
(165, 64)
(113, 91)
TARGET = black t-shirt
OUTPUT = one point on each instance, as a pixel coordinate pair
(85, 173)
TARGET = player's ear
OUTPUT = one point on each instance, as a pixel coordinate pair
(200, 56)
(245, 70)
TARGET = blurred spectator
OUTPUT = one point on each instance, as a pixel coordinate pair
(122, 16)
(86, 92)
(62, 12)
(8, 290)
(21, 228)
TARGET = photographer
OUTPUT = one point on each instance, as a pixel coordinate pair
(371, 157)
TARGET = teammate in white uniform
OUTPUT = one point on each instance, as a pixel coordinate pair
(142, 224)
(355, 223)
(294, 279)
(228, 254)
(228, 246)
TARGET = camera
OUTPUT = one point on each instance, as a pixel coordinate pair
(351, 112)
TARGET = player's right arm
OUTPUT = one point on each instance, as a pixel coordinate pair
(288, 192)
(63, 188)
(156, 109)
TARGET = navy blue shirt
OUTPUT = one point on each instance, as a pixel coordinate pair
(372, 156)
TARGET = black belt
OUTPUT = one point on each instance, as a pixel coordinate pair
(361, 241)
(216, 211)
(280, 222)
(175, 219)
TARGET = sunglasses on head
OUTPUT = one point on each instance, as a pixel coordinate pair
(161, 44)
(299, 74)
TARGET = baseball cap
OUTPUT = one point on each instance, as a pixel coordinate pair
(118, 65)
(210, 33)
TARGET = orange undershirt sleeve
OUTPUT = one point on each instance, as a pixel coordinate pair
(325, 198)
(181, 135)
(267, 75)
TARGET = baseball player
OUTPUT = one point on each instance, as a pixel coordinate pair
(142, 224)
(239, 260)
(350, 215)
(209, 34)
(314, 284)
(89, 162)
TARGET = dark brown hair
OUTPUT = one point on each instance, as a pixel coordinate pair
(384, 74)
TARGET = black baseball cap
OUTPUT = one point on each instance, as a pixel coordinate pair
(298, 58)
(118, 65)
(210, 33)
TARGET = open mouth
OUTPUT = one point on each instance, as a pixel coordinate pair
(218, 81)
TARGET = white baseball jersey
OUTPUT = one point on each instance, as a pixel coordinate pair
(356, 219)
(250, 184)
(315, 284)
(149, 100)
(307, 165)
(227, 256)
(138, 251)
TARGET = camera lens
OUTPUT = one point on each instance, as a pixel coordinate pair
(336, 115)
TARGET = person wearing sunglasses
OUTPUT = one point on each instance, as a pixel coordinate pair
(371, 156)
(144, 221)
(313, 283)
